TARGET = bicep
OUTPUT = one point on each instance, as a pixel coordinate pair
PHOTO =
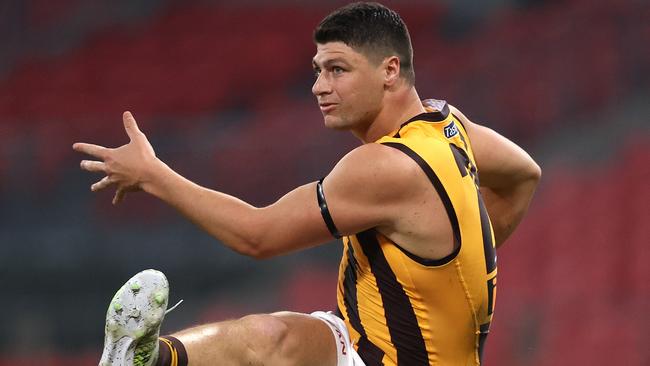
(351, 211)
(364, 190)
(293, 222)
(369, 187)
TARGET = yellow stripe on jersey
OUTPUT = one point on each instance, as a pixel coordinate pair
(406, 310)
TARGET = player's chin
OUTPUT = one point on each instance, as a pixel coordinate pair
(334, 122)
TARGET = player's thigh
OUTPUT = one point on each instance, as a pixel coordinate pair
(309, 338)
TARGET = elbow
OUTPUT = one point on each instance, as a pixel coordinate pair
(259, 253)
(536, 172)
(255, 248)
(533, 173)
(252, 240)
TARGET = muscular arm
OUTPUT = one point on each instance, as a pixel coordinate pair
(355, 189)
(291, 223)
(508, 177)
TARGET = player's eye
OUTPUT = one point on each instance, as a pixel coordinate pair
(337, 70)
(316, 73)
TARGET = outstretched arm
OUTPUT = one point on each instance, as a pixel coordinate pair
(252, 231)
(293, 222)
(508, 177)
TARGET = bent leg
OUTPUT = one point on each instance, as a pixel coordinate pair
(283, 338)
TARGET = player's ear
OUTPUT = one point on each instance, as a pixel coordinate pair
(391, 70)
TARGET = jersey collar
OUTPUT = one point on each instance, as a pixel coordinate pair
(433, 116)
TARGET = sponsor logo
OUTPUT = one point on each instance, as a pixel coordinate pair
(451, 130)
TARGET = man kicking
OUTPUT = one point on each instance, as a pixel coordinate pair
(420, 206)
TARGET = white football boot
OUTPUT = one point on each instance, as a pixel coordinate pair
(133, 320)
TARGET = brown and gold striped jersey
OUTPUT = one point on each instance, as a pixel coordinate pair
(401, 309)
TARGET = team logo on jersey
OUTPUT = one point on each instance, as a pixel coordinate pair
(451, 130)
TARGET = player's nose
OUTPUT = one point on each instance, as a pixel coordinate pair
(321, 86)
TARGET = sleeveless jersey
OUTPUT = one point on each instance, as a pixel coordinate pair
(401, 309)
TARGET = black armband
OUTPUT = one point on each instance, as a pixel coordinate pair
(324, 210)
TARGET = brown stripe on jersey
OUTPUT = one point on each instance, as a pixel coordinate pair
(430, 262)
(437, 184)
(350, 292)
(486, 230)
(463, 162)
(339, 313)
(369, 353)
(484, 332)
(491, 284)
(401, 321)
(462, 138)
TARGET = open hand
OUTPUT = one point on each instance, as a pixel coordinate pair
(126, 166)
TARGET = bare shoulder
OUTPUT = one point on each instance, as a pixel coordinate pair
(496, 156)
(371, 186)
(483, 139)
(376, 166)
(456, 112)
(470, 126)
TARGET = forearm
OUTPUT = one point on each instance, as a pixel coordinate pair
(224, 217)
(507, 207)
(293, 222)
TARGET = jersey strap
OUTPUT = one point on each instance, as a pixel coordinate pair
(325, 211)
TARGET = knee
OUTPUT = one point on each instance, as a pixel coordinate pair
(267, 338)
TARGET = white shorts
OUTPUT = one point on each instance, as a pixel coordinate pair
(347, 355)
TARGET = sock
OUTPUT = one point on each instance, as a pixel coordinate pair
(171, 352)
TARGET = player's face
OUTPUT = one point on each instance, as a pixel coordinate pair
(349, 87)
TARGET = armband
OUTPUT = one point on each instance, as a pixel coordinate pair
(324, 210)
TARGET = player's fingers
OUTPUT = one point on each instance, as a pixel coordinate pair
(130, 125)
(119, 196)
(91, 149)
(105, 182)
(93, 166)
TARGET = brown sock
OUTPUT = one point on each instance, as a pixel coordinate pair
(171, 352)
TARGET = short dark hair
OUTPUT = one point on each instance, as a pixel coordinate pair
(371, 28)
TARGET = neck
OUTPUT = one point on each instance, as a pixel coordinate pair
(398, 107)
